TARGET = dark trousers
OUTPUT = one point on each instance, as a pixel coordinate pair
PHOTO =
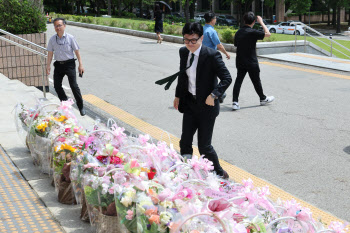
(68, 68)
(254, 75)
(201, 118)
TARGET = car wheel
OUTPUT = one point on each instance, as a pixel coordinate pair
(298, 33)
(272, 30)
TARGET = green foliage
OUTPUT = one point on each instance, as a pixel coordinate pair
(227, 35)
(128, 14)
(93, 199)
(21, 17)
(299, 6)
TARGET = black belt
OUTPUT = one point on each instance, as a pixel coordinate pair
(193, 97)
(64, 62)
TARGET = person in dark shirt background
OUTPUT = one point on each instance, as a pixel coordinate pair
(158, 27)
(246, 60)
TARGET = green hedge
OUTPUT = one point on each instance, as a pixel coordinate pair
(21, 17)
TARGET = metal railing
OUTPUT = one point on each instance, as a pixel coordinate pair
(42, 55)
(332, 42)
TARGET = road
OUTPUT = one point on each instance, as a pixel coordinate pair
(300, 143)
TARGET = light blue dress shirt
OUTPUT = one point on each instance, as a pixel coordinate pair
(63, 48)
(211, 38)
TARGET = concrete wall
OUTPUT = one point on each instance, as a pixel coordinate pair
(264, 48)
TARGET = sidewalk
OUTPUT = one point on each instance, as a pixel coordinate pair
(312, 60)
(28, 202)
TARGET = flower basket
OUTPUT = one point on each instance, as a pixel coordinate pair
(109, 224)
(64, 187)
(84, 214)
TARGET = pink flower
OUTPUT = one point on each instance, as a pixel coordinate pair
(76, 129)
(61, 139)
(90, 165)
(130, 215)
(143, 139)
(134, 163)
(67, 130)
(218, 205)
(116, 160)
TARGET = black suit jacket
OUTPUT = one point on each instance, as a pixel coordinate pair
(210, 67)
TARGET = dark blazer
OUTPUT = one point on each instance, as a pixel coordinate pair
(210, 67)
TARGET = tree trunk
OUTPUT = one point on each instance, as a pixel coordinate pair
(192, 9)
(334, 17)
(109, 8)
(300, 18)
(72, 8)
(119, 8)
(82, 9)
(338, 20)
(78, 8)
(349, 18)
(329, 15)
(187, 11)
(141, 10)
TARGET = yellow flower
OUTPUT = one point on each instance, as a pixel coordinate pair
(68, 147)
(42, 127)
(61, 118)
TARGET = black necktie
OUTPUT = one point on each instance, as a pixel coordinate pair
(169, 80)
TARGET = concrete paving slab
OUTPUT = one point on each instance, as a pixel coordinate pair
(312, 60)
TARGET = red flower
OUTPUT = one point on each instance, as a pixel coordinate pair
(151, 173)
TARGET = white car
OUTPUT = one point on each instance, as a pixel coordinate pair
(286, 28)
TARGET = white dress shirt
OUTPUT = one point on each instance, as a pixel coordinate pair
(192, 71)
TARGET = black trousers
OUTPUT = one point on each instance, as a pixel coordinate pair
(254, 75)
(197, 117)
(68, 68)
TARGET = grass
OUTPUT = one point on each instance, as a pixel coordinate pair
(346, 43)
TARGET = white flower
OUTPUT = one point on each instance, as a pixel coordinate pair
(105, 188)
(165, 217)
(126, 201)
(140, 209)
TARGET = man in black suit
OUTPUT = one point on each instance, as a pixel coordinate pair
(197, 93)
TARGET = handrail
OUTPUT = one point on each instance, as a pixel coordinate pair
(23, 47)
(323, 36)
(21, 39)
(41, 55)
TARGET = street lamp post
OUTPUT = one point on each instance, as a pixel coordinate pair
(262, 9)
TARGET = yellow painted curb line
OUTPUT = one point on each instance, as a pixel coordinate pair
(235, 173)
(319, 58)
(306, 70)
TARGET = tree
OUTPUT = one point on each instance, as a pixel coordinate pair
(299, 7)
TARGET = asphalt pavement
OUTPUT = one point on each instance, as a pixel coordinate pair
(299, 143)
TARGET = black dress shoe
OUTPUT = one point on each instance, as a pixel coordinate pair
(224, 175)
(82, 112)
(221, 98)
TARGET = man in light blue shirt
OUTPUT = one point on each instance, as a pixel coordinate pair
(211, 39)
(63, 46)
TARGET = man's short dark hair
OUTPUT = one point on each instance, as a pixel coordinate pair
(249, 17)
(192, 28)
(209, 17)
(58, 19)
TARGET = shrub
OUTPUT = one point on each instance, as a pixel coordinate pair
(90, 19)
(227, 35)
(21, 17)
(128, 14)
(113, 23)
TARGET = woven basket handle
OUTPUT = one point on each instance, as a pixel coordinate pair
(285, 218)
(202, 214)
